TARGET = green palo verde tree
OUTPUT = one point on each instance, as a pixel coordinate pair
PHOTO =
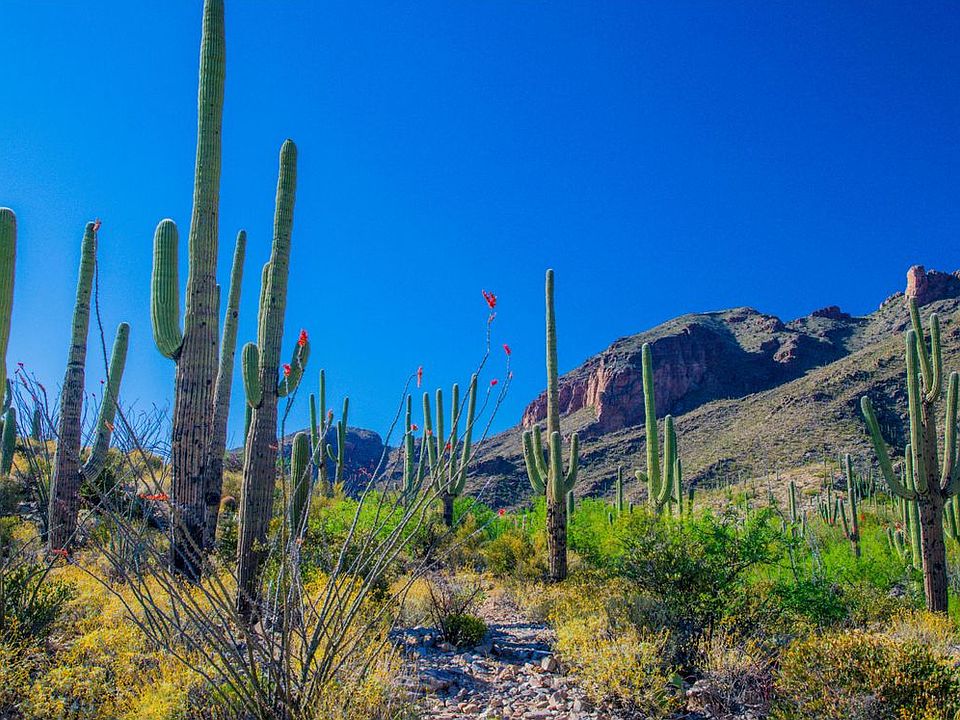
(449, 455)
(264, 383)
(68, 473)
(213, 482)
(546, 473)
(930, 483)
(194, 348)
(662, 487)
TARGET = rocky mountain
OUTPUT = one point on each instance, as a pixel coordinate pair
(748, 392)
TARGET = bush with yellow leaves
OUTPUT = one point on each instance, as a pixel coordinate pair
(615, 661)
(906, 672)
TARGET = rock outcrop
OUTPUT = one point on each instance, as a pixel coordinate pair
(928, 286)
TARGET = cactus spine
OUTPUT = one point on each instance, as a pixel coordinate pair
(194, 348)
(928, 482)
(64, 496)
(660, 488)
(546, 472)
(260, 451)
(221, 395)
(448, 455)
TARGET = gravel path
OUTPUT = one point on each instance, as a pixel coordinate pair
(512, 675)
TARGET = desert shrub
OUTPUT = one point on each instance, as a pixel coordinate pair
(10, 495)
(814, 599)
(869, 674)
(688, 572)
(30, 601)
(464, 630)
(453, 604)
(615, 661)
(736, 676)
(515, 554)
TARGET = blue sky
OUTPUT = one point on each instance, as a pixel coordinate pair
(663, 157)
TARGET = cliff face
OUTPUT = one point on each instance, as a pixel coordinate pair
(696, 359)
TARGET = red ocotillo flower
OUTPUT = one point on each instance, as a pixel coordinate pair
(490, 298)
(96, 224)
(501, 512)
(419, 375)
(287, 369)
(59, 552)
(414, 427)
(448, 446)
(494, 382)
(507, 350)
(302, 340)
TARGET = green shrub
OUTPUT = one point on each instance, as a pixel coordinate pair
(514, 554)
(30, 602)
(464, 630)
(855, 673)
(688, 572)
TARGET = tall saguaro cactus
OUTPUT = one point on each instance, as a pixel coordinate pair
(261, 368)
(449, 455)
(546, 472)
(194, 348)
(660, 484)
(221, 395)
(8, 261)
(929, 482)
(64, 497)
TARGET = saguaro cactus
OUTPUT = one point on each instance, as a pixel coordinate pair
(933, 482)
(8, 260)
(194, 348)
(221, 395)
(261, 367)
(851, 528)
(64, 497)
(8, 440)
(300, 484)
(546, 472)
(413, 472)
(660, 488)
(449, 455)
(620, 503)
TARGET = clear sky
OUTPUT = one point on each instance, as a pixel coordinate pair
(663, 157)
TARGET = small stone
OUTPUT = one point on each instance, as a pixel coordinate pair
(549, 664)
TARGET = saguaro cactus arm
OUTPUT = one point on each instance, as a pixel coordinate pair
(250, 367)
(533, 459)
(165, 290)
(108, 406)
(883, 457)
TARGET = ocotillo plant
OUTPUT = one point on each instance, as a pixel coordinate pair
(64, 496)
(660, 488)
(194, 348)
(933, 482)
(546, 473)
(221, 396)
(261, 368)
(8, 261)
(449, 455)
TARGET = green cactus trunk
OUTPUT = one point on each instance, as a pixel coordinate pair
(300, 484)
(260, 452)
(8, 260)
(108, 406)
(221, 395)
(546, 473)
(64, 497)
(194, 349)
(8, 441)
(853, 532)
